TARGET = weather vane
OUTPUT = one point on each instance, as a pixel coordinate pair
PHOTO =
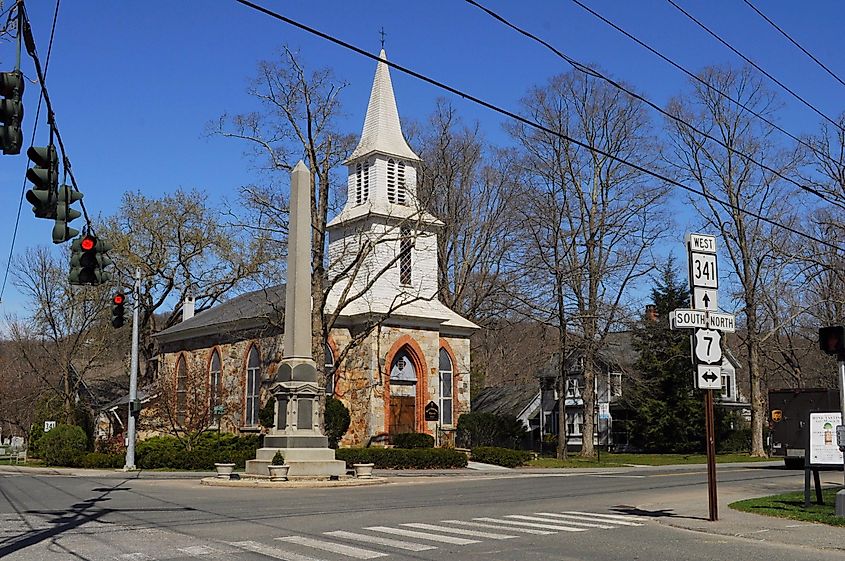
(381, 32)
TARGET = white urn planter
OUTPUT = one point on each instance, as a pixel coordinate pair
(363, 471)
(224, 470)
(279, 473)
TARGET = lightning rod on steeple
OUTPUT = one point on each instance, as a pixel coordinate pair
(381, 32)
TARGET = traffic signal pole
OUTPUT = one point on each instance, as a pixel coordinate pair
(133, 377)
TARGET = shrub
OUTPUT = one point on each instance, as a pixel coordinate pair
(413, 440)
(209, 448)
(336, 420)
(278, 459)
(500, 456)
(488, 429)
(101, 460)
(399, 458)
(63, 445)
(267, 414)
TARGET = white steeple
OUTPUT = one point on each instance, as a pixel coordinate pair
(382, 131)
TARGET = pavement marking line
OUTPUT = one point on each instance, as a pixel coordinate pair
(421, 535)
(348, 550)
(271, 551)
(459, 531)
(572, 522)
(134, 557)
(551, 526)
(399, 544)
(500, 527)
(611, 516)
(591, 518)
(618, 476)
(198, 550)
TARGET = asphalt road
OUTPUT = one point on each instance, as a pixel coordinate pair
(647, 513)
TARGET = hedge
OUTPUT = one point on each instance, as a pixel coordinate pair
(500, 456)
(413, 440)
(210, 448)
(101, 460)
(488, 429)
(63, 445)
(399, 458)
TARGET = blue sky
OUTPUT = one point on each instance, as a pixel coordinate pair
(135, 83)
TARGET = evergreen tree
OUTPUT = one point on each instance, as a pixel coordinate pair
(667, 414)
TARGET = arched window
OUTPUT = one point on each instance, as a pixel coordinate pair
(401, 189)
(446, 373)
(253, 387)
(406, 242)
(215, 381)
(330, 369)
(391, 180)
(181, 390)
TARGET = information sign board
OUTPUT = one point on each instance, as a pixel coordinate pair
(708, 377)
(823, 448)
(701, 243)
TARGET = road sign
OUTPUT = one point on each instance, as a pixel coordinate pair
(702, 270)
(701, 243)
(705, 299)
(721, 322)
(49, 425)
(687, 319)
(708, 347)
(708, 377)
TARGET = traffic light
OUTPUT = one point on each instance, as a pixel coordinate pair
(88, 260)
(44, 176)
(64, 214)
(11, 111)
(118, 313)
(832, 340)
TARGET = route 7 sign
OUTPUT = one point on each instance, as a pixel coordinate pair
(708, 377)
(708, 346)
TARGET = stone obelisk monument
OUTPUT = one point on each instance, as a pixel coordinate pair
(296, 432)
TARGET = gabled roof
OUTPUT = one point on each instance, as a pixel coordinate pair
(382, 131)
(505, 400)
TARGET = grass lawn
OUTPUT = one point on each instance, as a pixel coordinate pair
(617, 460)
(29, 463)
(791, 505)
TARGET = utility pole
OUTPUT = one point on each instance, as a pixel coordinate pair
(134, 410)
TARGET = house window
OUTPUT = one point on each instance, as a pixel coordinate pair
(405, 245)
(181, 390)
(330, 369)
(615, 384)
(391, 180)
(401, 190)
(572, 388)
(446, 373)
(726, 386)
(215, 381)
(253, 387)
(573, 423)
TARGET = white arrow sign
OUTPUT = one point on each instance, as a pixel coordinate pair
(705, 299)
(708, 377)
(708, 346)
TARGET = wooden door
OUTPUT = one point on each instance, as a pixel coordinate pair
(403, 414)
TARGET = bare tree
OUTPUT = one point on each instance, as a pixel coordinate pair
(755, 249)
(589, 221)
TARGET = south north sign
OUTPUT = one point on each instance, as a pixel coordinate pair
(702, 319)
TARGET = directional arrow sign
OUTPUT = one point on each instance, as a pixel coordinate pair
(708, 377)
(705, 299)
(721, 322)
(687, 319)
(708, 348)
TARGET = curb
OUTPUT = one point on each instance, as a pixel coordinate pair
(301, 484)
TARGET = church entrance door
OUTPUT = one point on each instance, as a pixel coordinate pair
(403, 395)
(403, 414)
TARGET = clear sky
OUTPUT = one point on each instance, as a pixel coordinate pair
(135, 83)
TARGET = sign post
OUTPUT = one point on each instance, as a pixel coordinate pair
(707, 324)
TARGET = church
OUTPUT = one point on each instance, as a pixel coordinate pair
(394, 348)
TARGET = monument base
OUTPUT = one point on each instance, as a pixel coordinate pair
(311, 462)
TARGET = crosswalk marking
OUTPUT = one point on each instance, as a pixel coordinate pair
(198, 550)
(613, 516)
(550, 526)
(348, 550)
(378, 540)
(495, 527)
(590, 517)
(459, 531)
(270, 551)
(570, 522)
(421, 535)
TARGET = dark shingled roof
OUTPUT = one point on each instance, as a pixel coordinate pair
(504, 400)
(259, 304)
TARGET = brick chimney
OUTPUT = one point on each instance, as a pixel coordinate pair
(188, 307)
(650, 312)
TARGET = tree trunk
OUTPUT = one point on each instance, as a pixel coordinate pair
(758, 409)
(588, 397)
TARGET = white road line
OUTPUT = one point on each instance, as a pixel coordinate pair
(421, 535)
(271, 551)
(348, 550)
(134, 557)
(198, 550)
(408, 546)
(550, 526)
(459, 531)
(612, 516)
(578, 520)
(592, 518)
(500, 527)
(619, 476)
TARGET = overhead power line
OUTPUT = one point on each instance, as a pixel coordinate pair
(581, 67)
(757, 66)
(794, 42)
(521, 119)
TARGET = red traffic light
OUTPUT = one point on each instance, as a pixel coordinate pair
(88, 243)
(118, 299)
